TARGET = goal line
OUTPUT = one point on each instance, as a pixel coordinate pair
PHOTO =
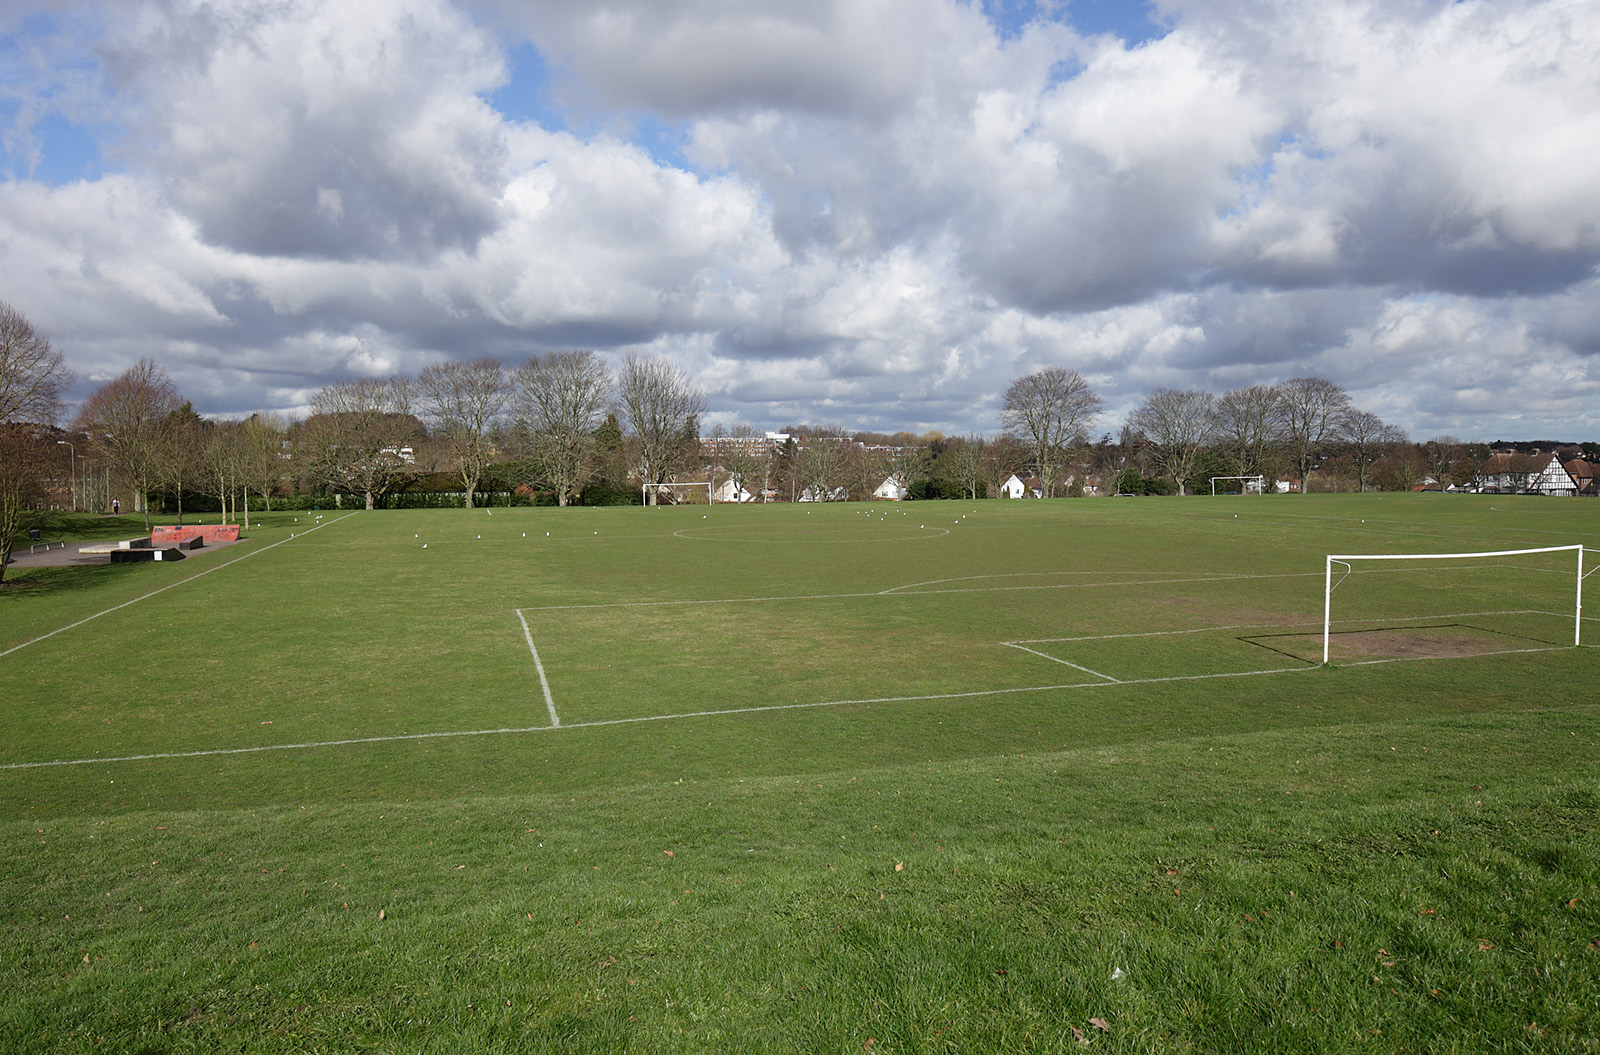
(1347, 560)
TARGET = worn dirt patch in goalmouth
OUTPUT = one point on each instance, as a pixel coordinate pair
(1432, 642)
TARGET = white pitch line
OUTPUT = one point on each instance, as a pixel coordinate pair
(1311, 666)
(919, 593)
(549, 701)
(1058, 659)
(1282, 626)
(164, 589)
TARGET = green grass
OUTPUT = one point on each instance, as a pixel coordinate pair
(1398, 856)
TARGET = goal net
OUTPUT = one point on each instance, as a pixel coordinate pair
(688, 492)
(1249, 485)
(1378, 606)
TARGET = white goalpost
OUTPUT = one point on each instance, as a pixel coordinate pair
(1259, 481)
(1347, 559)
(644, 491)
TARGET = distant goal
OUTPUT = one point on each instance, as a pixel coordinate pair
(1249, 485)
(1454, 603)
(683, 493)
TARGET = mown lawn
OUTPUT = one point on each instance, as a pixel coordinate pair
(1401, 856)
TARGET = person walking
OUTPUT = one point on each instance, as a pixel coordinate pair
(116, 508)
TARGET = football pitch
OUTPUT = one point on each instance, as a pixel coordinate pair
(938, 776)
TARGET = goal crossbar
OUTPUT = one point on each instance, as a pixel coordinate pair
(1346, 559)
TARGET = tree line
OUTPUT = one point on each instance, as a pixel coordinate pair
(563, 426)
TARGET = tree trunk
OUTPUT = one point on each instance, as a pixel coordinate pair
(561, 498)
(369, 499)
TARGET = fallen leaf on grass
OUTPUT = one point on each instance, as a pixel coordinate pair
(1484, 946)
(669, 853)
(1429, 912)
(870, 1042)
(383, 914)
(1573, 903)
(266, 723)
(1172, 871)
(1078, 1036)
(1101, 1024)
(899, 866)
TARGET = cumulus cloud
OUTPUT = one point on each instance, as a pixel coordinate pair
(882, 211)
(298, 128)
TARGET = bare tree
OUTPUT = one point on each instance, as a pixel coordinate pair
(1244, 426)
(182, 441)
(865, 471)
(1003, 456)
(962, 464)
(32, 374)
(557, 403)
(124, 419)
(32, 377)
(821, 462)
(1308, 413)
(1178, 423)
(1368, 438)
(220, 466)
(360, 433)
(1443, 453)
(748, 460)
(1051, 410)
(261, 438)
(28, 459)
(460, 403)
(910, 463)
(663, 410)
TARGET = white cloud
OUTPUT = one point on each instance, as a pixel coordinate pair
(892, 210)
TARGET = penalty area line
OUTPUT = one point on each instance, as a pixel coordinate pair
(549, 701)
(170, 585)
(1057, 659)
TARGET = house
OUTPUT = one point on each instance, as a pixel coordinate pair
(728, 491)
(1016, 487)
(1585, 474)
(1524, 474)
(890, 490)
(811, 494)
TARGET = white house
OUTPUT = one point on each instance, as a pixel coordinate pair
(1524, 474)
(1016, 487)
(890, 490)
(728, 491)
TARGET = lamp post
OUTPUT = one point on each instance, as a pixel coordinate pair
(72, 475)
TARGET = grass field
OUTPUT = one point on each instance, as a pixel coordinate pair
(978, 776)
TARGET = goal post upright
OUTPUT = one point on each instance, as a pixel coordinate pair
(1328, 584)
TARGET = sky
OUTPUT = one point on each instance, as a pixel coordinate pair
(870, 213)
